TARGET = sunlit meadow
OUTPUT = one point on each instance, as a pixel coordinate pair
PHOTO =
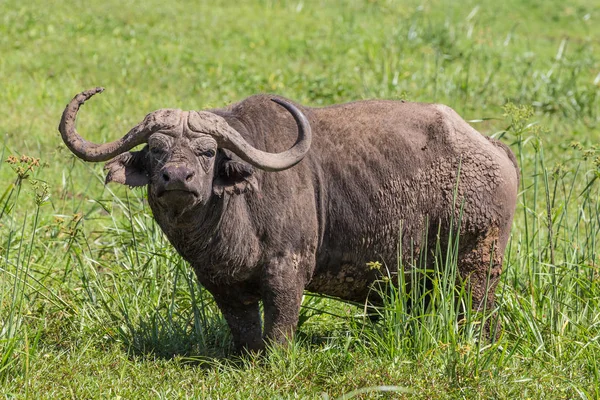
(94, 302)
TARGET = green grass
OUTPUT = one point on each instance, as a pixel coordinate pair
(95, 303)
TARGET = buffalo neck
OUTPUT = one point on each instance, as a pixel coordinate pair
(214, 238)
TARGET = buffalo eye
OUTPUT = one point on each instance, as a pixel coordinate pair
(207, 153)
(155, 150)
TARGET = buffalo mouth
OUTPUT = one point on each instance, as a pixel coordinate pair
(177, 193)
(179, 198)
(177, 202)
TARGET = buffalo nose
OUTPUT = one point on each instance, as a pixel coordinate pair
(176, 174)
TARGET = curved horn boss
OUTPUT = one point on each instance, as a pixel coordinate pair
(200, 121)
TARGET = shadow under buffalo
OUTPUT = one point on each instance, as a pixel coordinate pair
(158, 337)
(202, 341)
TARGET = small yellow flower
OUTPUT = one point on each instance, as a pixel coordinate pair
(374, 265)
(576, 145)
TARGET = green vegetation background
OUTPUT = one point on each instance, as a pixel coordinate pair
(93, 301)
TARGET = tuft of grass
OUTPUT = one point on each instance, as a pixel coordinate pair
(16, 345)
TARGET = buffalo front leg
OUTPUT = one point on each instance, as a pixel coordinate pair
(244, 322)
(282, 289)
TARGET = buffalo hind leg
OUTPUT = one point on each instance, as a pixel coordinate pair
(480, 266)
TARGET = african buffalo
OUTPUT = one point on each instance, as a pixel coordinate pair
(268, 224)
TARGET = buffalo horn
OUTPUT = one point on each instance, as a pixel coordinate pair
(89, 151)
(229, 138)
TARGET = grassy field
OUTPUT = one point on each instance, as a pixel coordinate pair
(94, 303)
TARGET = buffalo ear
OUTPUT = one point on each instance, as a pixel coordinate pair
(234, 177)
(128, 169)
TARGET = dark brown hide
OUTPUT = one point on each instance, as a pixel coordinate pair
(374, 168)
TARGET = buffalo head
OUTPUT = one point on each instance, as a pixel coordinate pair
(184, 161)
